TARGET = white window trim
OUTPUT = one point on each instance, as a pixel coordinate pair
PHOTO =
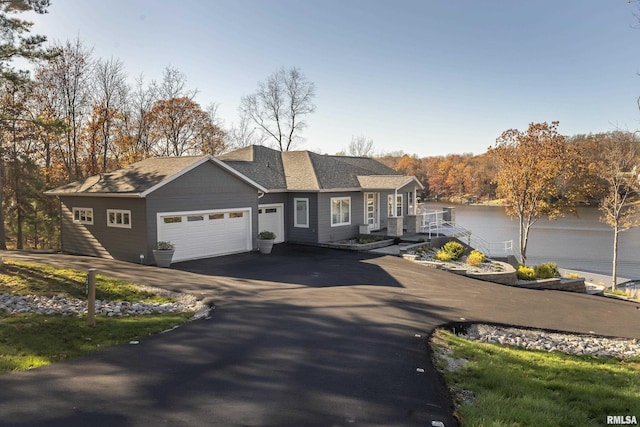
(341, 199)
(295, 213)
(80, 221)
(399, 203)
(116, 212)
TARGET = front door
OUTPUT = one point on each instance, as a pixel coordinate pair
(372, 210)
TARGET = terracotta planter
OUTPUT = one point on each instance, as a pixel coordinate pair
(265, 245)
(163, 257)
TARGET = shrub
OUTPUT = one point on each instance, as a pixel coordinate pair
(266, 235)
(443, 256)
(546, 270)
(455, 249)
(526, 273)
(475, 258)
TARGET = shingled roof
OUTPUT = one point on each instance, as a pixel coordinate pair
(264, 168)
(140, 178)
(308, 171)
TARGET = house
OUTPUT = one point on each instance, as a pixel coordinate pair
(211, 206)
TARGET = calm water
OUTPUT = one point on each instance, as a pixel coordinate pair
(581, 243)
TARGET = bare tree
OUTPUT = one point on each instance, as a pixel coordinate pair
(134, 144)
(618, 170)
(66, 78)
(244, 133)
(361, 146)
(279, 106)
(110, 92)
(173, 85)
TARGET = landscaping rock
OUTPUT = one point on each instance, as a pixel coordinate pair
(60, 305)
(532, 339)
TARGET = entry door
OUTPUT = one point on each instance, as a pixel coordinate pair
(271, 218)
(372, 210)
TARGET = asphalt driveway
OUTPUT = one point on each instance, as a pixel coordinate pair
(306, 336)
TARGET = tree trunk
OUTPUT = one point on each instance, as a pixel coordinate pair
(614, 271)
(3, 232)
(523, 241)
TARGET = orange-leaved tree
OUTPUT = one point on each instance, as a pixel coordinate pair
(536, 176)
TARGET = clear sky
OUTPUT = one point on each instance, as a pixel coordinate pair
(429, 77)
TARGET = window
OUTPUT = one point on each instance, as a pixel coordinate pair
(216, 216)
(301, 213)
(193, 218)
(83, 216)
(171, 219)
(340, 211)
(118, 218)
(398, 205)
(236, 214)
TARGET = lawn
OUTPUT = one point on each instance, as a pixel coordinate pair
(515, 387)
(29, 340)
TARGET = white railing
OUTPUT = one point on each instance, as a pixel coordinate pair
(434, 224)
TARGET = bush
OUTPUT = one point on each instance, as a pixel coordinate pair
(546, 270)
(455, 249)
(475, 258)
(443, 256)
(526, 273)
(266, 235)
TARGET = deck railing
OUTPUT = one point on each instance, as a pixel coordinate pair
(434, 224)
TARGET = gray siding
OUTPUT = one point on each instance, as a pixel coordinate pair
(298, 234)
(273, 198)
(206, 187)
(327, 233)
(98, 239)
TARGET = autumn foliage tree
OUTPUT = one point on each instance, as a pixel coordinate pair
(535, 176)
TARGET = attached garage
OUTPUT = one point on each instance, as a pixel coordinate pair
(207, 233)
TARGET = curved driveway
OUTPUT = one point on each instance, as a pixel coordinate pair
(303, 337)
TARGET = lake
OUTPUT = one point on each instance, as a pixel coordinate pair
(580, 243)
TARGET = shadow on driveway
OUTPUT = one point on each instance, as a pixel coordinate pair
(297, 264)
(267, 364)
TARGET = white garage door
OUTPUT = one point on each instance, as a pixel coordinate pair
(271, 218)
(206, 234)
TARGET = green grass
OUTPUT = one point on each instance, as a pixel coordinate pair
(28, 340)
(20, 278)
(514, 387)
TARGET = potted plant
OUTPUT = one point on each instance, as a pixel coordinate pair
(265, 241)
(163, 253)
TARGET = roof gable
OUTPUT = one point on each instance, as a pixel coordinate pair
(141, 178)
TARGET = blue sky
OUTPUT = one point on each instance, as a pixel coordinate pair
(426, 77)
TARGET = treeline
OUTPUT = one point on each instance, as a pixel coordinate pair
(472, 178)
(75, 116)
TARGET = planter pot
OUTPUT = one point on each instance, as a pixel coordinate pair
(163, 257)
(265, 245)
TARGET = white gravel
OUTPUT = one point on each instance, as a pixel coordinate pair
(62, 305)
(534, 339)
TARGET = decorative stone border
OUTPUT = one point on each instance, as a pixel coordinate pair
(359, 246)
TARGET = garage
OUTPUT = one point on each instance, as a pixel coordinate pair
(271, 218)
(206, 234)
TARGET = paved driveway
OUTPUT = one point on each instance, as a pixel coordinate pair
(306, 336)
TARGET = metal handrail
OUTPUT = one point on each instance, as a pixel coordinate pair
(439, 226)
